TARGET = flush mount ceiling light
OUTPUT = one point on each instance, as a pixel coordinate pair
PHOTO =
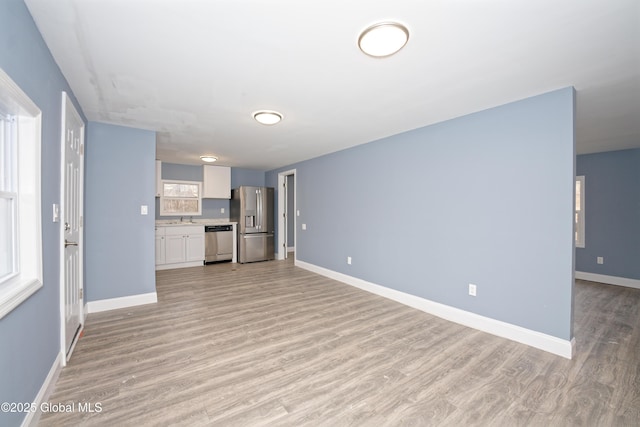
(208, 159)
(267, 117)
(383, 39)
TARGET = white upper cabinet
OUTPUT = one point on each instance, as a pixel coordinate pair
(158, 178)
(217, 182)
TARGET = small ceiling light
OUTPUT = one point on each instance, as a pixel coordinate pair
(208, 159)
(383, 39)
(267, 117)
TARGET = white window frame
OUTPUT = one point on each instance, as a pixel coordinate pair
(579, 213)
(27, 248)
(163, 198)
(8, 193)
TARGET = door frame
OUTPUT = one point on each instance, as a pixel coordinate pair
(61, 215)
(282, 223)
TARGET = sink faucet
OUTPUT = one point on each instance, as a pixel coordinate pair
(190, 219)
(181, 218)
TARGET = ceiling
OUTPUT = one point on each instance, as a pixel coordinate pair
(195, 70)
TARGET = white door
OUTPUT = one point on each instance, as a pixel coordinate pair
(71, 214)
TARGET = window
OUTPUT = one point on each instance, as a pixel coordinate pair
(20, 222)
(579, 213)
(181, 198)
(8, 197)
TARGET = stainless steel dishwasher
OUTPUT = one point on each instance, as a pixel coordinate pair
(218, 243)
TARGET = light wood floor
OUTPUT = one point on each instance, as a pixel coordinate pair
(269, 344)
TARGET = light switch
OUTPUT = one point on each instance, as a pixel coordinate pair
(144, 210)
(221, 210)
(304, 226)
(298, 212)
(56, 212)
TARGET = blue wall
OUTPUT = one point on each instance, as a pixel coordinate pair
(210, 207)
(30, 334)
(612, 213)
(240, 176)
(120, 242)
(484, 199)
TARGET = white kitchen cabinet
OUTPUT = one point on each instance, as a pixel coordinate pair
(183, 246)
(217, 182)
(158, 178)
(194, 247)
(160, 246)
(175, 249)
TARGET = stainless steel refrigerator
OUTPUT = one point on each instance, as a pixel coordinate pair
(252, 209)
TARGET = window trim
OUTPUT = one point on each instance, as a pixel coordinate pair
(9, 186)
(16, 289)
(579, 214)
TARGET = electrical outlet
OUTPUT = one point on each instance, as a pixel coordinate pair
(600, 260)
(144, 210)
(349, 260)
(472, 289)
(304, 226)
(221, 210)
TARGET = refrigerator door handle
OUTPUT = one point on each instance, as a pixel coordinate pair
(256, 235)
(259, 209)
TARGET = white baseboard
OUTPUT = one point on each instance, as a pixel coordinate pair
(609, 280)
(180, 265)
(551, 344)
(32, 418)
(122, 302)
(291, 249)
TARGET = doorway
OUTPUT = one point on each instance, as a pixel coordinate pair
(287, 212)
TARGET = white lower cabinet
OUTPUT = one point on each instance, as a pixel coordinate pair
(194, 247)
(160, 246)
(175, 249)
(183, 246)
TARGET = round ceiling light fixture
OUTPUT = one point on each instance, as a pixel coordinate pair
(208, 159)
(267, 117)
(383, 39)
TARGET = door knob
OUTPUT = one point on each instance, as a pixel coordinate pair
(68, 243)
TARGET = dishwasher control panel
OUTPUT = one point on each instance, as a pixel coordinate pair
(215, 228)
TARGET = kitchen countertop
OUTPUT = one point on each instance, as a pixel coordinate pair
(199, 221)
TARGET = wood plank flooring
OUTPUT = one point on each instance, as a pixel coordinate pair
(270, 344)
